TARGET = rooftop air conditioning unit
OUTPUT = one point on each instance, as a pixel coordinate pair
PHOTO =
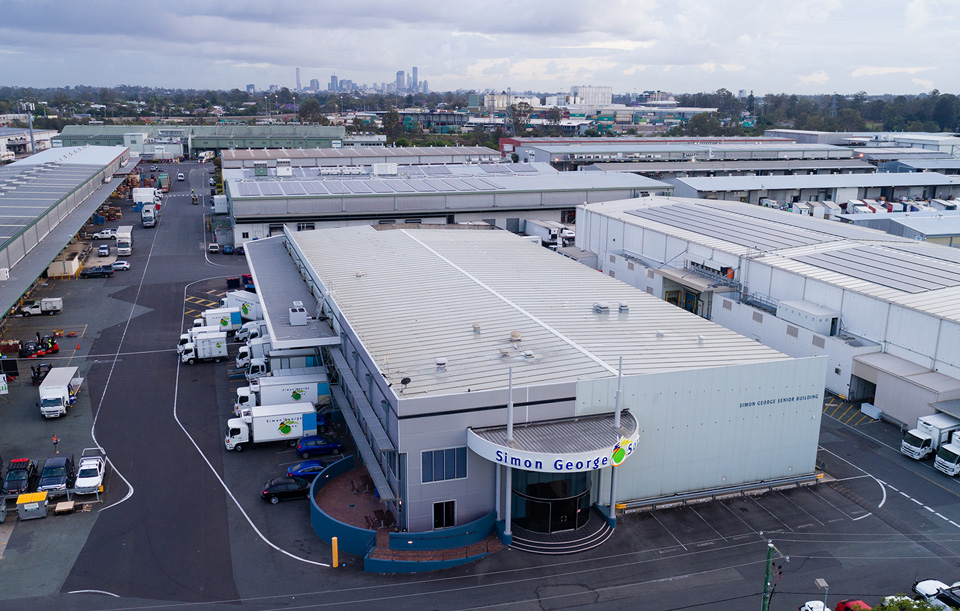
(4, 273)
(298, 315)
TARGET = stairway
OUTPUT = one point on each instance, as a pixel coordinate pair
(592, 534)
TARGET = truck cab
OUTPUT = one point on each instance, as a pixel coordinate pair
(257, 368)
(916, 444)
(238, 434)
(948, 456)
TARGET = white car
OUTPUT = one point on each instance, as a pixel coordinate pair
(105, 234)
(90, 474)
(120, 266)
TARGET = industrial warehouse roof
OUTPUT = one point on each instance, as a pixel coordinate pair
(351, 155)
(30, 187)
(914, 274)
(932, 164)
(705, 149)
(430, 180)
(734, 165)
(816, 181)
(415, 296)
(206, 131)
(933, 226)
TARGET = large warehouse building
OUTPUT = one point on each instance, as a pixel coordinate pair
(264, 200)
(423, 378)
(885, 309)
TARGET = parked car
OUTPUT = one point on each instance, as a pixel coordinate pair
(120, 266)
(938, 594)
(90, 474)
(58, 473)
(153, 168)
(180, 176)
(240, 250)
(103, 250)
(227, 249)
(213, 182)
(213, 247)
(21, 476)
(105, 234)
(307, 469)
(100, 271)
(280, 488)
(852, 605)
(316, 445)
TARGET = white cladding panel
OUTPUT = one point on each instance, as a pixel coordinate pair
(947, 352)
(915, 331)
(757, 278)
(828, 296)
(784, 285)
(903, 400)
(709, 428)
(633, 238)
(864, 315)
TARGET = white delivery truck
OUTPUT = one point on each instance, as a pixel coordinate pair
(205, 347)
(47, 305)
(285, 422)
(252, 330)
(948, 456)
(150, 215)
(58, 391)
(274, 390)
(187, 338)
(125, 240)
(255, 349)
(145, 195)
(249, 304)
(225, 319)
(931, 432)
(283, 359)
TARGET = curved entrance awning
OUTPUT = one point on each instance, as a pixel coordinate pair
(586, 443)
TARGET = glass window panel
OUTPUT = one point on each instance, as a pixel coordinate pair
(427, 466)
(450, 464)
(438, 465)
(461, 462)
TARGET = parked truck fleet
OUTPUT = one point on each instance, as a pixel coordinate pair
(225, 319)
(257, 348)
(948, 456)
(58, 391)
(209, 346)
(931, 432)
(252, 330)
(247, 302)
(309, 387)
(283, 359)
(285, 422)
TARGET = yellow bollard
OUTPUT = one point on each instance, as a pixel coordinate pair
(333, 542)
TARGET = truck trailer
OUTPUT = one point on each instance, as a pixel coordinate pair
(931, 432)
(283, 359)
(205, 347)
(188, 337)
(58, 391)
(249, 304)
(285, 422)
(311, 388)
(225, 319)
(150, 215)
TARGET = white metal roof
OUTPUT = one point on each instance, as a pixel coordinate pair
(817, 181)
(414, 296)
(918, 275)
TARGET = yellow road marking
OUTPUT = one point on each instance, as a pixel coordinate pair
(861, 419)
(845, 411)
(834, 412)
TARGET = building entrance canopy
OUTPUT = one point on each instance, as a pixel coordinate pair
(571, 445)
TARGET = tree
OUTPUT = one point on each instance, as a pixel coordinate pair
(310, 111)
(519, 114)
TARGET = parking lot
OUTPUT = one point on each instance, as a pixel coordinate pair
(182, 524)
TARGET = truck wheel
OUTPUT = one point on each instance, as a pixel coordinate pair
(292, 443)
(51, 313)
(336, 451)
(191, 361)
(274, 500)
(304, 455)
(26, 314)
(238, 447)
(216, 360)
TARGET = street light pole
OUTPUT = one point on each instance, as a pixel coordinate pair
(767, 585)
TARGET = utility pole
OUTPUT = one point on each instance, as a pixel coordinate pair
(767, 586)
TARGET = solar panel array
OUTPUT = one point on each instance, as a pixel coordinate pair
(384, 186)
(28, 192)
(738, 229)
(933, 251)
(886, 268)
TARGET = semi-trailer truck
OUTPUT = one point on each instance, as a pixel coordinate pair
(58, 391)
(252, 330)
(285, 422)
(225, 319)
(283, 359)
(205, 347)
(249, 304)
(274, 390)
(931, 432)
(255, 349)
(948, 456)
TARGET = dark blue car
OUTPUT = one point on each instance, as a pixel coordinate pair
(307, 469)
(317, 445)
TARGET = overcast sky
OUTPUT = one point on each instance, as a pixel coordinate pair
(794, 46)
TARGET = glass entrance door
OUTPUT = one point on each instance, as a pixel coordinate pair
(550, 502)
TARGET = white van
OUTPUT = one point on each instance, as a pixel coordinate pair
(180, 176)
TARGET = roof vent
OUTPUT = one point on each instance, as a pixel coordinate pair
(515, 336)
(659, 333)
(504, 352)
(360, 274)
(441, 365)
(476, 329)
(700, 338)
(601, 307)
(528, 354)
(624, 307)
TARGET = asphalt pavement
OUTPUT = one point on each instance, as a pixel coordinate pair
(181, 525)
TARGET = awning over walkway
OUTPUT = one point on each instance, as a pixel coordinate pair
(691, 280)
(585, 443)
(951, 407)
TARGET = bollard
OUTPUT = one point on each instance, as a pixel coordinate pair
(333, 542)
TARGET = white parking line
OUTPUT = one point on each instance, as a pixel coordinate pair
(883, 488)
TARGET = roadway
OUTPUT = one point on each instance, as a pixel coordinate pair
(182, 525)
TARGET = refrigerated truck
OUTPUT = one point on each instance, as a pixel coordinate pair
(249, 304)
(58, 391)
(255, 349)
(311, 388)
(225, 319)
(188, 337)
(150, 214)
(252, 330)
(125, 240)
(283, 359)
(205, 347)
(286, 422)
(948, 456)
(931, 432)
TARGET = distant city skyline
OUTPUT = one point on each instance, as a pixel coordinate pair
(817, 46)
